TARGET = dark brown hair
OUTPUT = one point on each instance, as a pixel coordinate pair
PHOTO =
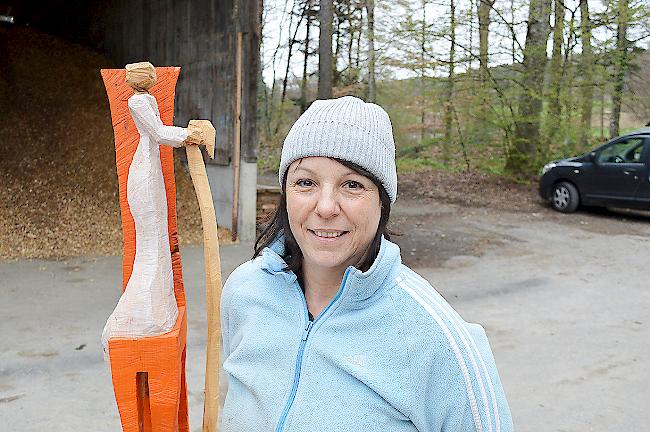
(293, 255)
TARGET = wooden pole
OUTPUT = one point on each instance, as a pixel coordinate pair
(212, 264)
(236, 154)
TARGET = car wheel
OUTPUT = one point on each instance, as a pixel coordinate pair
(565, 197)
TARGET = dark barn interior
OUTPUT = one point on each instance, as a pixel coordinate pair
(57, 159)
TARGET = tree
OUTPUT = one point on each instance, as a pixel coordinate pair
(423, 50)
(292, 42)
(620, 64)
(449, 94)
(370, 10)
(325, 72)
(522, 156)
(306, 54)
(484, 7)
(554, 119)
(587, 84)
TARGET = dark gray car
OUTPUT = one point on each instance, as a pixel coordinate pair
(615, 174)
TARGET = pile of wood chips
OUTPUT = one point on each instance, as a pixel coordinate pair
(59, 194)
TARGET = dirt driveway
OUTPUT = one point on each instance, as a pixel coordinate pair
(564, 300)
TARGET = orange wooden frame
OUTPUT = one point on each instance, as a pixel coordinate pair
(148, 373)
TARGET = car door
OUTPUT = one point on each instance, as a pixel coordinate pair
(643, 191)
(615, 176)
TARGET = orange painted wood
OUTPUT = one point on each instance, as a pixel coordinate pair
(164, 407)
(163, 358)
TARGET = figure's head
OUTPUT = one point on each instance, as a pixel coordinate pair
(140, 76)
(338, 182)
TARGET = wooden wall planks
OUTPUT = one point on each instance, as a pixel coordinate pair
(199, 36)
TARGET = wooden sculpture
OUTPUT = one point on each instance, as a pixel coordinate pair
(146, 334)
(148, 306)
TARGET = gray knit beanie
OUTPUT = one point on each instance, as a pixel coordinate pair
(349, 129)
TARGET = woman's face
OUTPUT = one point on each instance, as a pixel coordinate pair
(333, 212)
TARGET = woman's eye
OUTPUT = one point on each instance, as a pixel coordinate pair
(304, 183)
(354, 185)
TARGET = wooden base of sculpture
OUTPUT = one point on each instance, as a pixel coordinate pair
(148, 373)
(149, 380)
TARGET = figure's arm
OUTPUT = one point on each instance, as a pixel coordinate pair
(168, 135)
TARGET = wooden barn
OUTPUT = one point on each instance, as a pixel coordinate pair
(211, 40)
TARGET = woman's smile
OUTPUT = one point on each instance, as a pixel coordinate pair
(327, 235)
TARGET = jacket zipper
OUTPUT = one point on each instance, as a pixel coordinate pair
(301, 349)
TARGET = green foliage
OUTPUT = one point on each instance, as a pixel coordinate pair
(494, 125)
(416, 164)
(268, 161)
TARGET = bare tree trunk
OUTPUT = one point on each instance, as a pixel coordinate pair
(351, 35)
(470, 42)
(484, 7)
(422, 69)
(587, 88)
(567, 98)
(482, 114)
(620, 65)
(513, 42)
(522, 156)
(292, 41)
(370, 8)
(555, 107)
(449, 107)
(358, 43)
(336, 74)
(325, 17)
(303, 82)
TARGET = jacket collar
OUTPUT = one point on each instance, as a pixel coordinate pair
(358, 286)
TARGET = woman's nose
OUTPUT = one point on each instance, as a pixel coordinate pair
(327, 205)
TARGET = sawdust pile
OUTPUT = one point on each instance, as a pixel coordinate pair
(59, 193)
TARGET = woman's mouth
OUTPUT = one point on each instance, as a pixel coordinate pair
(327, 234)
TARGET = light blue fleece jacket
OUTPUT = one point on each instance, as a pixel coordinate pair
(387, 354)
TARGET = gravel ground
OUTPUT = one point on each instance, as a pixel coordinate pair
(432, 213)
(563, 299)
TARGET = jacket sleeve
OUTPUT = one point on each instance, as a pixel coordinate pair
(458, 388)
(143, 113)
(224, 310)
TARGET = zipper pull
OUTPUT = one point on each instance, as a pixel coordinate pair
(306, 332)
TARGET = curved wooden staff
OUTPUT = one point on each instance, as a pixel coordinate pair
(212, 271)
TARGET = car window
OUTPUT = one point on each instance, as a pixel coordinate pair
(625, 151)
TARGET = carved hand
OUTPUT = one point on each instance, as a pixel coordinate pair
(207, 134)
(196, 135)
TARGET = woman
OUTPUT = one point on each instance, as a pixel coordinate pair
(325, 329)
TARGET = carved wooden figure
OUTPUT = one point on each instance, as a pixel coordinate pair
(145, 336)
(148, 306)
